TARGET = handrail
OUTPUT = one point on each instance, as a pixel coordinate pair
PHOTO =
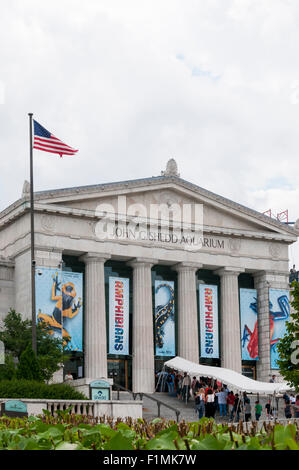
(141, 395)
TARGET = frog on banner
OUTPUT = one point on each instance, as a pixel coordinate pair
(65, 307)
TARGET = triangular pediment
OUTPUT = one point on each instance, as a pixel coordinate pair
(218, 212)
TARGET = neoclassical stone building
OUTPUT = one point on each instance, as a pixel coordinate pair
(241, 248)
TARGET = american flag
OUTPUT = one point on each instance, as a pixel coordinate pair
(44, 140)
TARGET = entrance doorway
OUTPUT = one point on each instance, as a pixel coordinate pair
(249, 371)
(118, 370)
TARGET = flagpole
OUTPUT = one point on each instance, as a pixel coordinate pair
(32, 240)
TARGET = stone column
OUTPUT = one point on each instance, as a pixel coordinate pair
(7, 300)
(230, 319)
(95, 342)
(264, 280)
(188, 345)
(143, 360)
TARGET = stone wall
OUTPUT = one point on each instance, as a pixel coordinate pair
(112, 408)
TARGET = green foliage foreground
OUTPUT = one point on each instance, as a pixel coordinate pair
(73, 432)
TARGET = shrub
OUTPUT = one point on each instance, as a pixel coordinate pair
(33, 389)
(28, 367)
(8, 370)
(16, 335)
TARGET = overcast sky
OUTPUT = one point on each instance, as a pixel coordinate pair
(132, 83)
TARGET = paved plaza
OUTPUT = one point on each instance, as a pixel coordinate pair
(187, 410)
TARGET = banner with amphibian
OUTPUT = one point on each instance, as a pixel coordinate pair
(279, 307)
(249, 324)
(59, 303)
(164, 318)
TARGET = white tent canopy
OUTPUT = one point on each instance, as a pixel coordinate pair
(228, 377)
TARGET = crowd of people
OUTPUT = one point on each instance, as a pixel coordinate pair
(212, 397)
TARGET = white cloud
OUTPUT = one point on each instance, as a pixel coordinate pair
(116, 80)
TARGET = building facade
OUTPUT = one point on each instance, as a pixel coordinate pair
(147, 293)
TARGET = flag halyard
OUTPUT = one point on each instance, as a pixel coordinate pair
(44, 140)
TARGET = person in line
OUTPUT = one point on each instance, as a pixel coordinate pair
(226, 390)
(247, 410)
(170, 383)
(180, 387)
(258, 410)
(288, 410)
(193, 385)
(269, 411)
(222, 402)
(197, 386)
(286, 398)
(208, 387)
(292, 403)
(186, 387)
(237, 408)
(200, 402)
(210, 404)
(273, 379)
(230, 400)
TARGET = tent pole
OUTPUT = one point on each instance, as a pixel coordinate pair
(243, 407)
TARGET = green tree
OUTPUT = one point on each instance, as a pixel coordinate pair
(28, 366)
(17, 335)
(49, 351)
(288, 346)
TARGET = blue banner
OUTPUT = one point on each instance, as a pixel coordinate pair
(279, 307)
(164, 318)
(72, 309)
(249, 324)
(48, 298)
(59, 303)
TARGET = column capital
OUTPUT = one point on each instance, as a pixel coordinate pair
(6, 262)
(92, 256)
(187, 266)
(139, 262)
(229, 271)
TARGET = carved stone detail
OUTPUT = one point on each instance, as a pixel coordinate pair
(26, 189)
(171, 168)
(274, 250)
(235, 245)
(48, 223)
